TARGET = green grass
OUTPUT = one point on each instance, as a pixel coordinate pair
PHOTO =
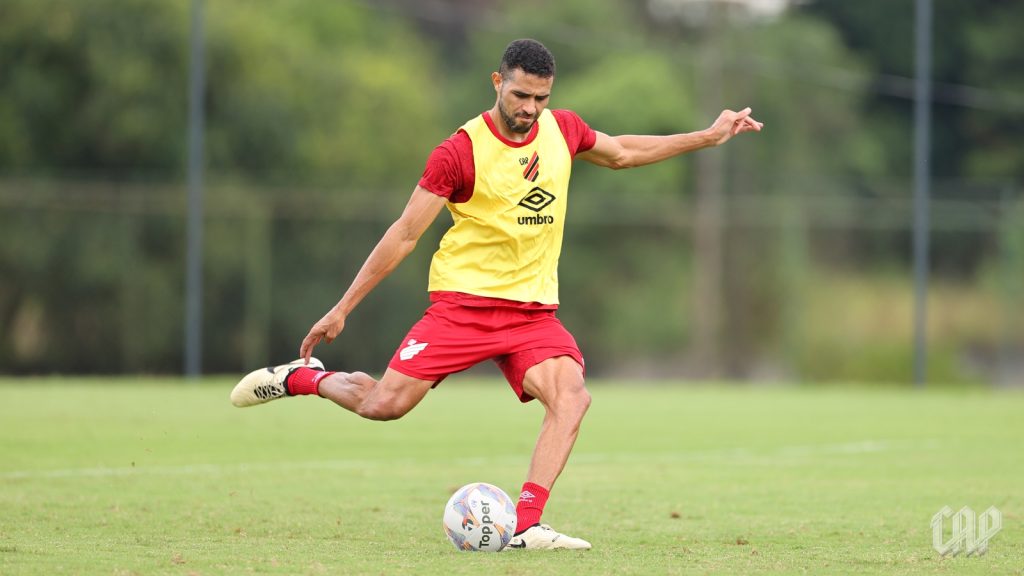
(165, 477)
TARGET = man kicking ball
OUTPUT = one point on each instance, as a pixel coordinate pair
(504, 176)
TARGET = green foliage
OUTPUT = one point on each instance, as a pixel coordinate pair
(642, 93)
(578, 32)
(631, 330)
(976, 44)
(802, 116)
(321, 113)
(297, 94)
(994, 49)
(772, 67)
(92, 86)
(321, 92)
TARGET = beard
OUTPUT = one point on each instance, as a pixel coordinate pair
(510, 121)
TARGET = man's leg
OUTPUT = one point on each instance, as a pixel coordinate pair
(557, 383)
(388, 399)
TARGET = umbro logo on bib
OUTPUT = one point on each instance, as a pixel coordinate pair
(537, 199)
(412, 348)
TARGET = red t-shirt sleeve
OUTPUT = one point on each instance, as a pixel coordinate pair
(578, 135)
(450, 167)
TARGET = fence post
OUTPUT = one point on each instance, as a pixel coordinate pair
(1011, 242)
(922, 183)
(194, 228)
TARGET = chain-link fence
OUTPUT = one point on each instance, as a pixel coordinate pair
(814, 280)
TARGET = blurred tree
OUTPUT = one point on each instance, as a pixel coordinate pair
(580, 34)
(321, 114)
(978, 96)
(299, 93)
(91, 87)
(782, 171)
(319, 91)
(995, 51)
(978, 45)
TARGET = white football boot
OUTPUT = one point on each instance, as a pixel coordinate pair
(267, 384)
(542, 537)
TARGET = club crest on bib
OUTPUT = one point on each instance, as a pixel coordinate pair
(532, 170)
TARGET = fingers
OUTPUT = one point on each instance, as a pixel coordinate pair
(308, 343)
(747, 125)
(743, 117)
(325, 330)
(742, 122)
(731, 123)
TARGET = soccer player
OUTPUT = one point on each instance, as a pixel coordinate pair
(504, 176)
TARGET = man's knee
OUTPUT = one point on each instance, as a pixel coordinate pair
(585, 399)
(381, 411)
(576, 398)
(560, 386)
(393, 397)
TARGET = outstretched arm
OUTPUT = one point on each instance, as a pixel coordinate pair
(630, 151)
(394, 246)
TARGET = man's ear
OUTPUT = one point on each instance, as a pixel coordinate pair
(496, 80)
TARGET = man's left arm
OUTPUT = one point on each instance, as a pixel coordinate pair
(629, 151)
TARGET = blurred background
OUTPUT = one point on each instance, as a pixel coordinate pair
(785, 256)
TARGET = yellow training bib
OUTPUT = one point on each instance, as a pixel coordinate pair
(506, 239)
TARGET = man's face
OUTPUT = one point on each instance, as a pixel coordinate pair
(521, 98)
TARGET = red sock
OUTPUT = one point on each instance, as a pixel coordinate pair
(530, 506)
(305, 380)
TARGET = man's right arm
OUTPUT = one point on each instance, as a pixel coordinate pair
(399, 240)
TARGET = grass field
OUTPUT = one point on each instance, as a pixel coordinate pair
(165, 477)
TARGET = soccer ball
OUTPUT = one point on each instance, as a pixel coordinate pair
(479, 517)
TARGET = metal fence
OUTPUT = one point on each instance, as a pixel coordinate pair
(814, 280)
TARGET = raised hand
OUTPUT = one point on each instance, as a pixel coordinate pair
(325, 330)
(731, 123)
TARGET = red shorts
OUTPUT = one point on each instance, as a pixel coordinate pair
(451, 338)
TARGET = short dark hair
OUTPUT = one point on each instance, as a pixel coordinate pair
(529, 56)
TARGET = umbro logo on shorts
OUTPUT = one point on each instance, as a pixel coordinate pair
(412, 348)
